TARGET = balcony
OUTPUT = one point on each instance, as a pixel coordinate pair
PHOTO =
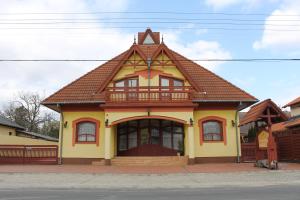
(145, 94)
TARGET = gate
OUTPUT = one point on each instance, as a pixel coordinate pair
(248, 151)
(28, 154)
(288, 145)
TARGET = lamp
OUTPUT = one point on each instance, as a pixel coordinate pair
(65, 124)
(191, 122)
(106, 122)
(232, 123)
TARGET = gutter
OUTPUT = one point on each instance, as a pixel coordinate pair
(250, 101)
(61, 134)
(74, 102)
(237, 133)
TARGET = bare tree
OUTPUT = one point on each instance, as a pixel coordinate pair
(26, 111)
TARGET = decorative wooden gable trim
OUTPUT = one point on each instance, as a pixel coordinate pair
(133, 49)
(153, 72)
(163, 48)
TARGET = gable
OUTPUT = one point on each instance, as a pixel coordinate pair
(162, 66)
(90, 88)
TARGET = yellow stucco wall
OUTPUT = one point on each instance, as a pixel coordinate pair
(82, 150)
(4, 130)
(16, 140)
(218, 149)
(115, 116)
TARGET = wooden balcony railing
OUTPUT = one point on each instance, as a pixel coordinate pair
(149, 94)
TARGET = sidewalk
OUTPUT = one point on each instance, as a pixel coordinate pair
(94, 169)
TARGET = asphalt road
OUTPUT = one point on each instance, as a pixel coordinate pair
(238, 193)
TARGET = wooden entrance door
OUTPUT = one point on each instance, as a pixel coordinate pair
(150, 137)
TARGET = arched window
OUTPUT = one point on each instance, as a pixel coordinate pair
(212, 129)
(86, 131)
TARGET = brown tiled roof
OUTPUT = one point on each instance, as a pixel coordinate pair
(282, 126)
(212, 86)
(294, 102)
(293, 122)
(278, 127)
(84, 89)
(255, 112)
(89, 88)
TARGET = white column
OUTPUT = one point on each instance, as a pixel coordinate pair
(107, 143)
(191, 141)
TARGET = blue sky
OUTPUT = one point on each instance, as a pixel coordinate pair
(277, 80)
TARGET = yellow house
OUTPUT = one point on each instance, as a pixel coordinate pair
(149, 101)
(12, 133)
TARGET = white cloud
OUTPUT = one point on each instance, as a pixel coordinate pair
(99, 43)
(199, 49)
(54, 44)
(219, 4)
(246, 4)
(277, 34)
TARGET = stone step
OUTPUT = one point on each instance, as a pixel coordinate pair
(150, 161)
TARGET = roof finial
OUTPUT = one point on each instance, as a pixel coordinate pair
(162, 38)
(134, 40)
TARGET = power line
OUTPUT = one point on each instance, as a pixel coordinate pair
(145, 22)
(144, 12)
(104, 60)
(142, 18)
(144, 27)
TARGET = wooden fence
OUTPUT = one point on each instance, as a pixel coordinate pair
(288, 145)
(248, 151)
(28, 154)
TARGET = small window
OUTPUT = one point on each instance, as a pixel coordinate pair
(178, 83)
(212, 131)
(86, 132)
(120, 83)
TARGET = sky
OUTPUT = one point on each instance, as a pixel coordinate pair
(101, 29)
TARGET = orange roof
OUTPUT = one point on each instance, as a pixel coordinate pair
(279, 127)
(293, 122)
(282, 126)
(294, 102)
(90, 87)
(259, 109)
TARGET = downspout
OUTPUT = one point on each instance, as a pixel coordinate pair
(61, 134)
(149, 68)
(237, 135)
(149, 75)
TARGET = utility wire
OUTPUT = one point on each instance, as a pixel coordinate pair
(140, 27)
(102, 60)
(144, 12)
(142, 18)
(145, 22)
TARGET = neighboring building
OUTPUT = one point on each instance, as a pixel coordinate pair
(149, 101)
(294, 121)
(18, 134)
(8, 127)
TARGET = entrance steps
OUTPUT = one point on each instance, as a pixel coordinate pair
(150, 161)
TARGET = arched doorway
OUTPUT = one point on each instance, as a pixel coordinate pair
(150, 137)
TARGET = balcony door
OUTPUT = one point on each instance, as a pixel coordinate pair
(129, 86)
(169, 84)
